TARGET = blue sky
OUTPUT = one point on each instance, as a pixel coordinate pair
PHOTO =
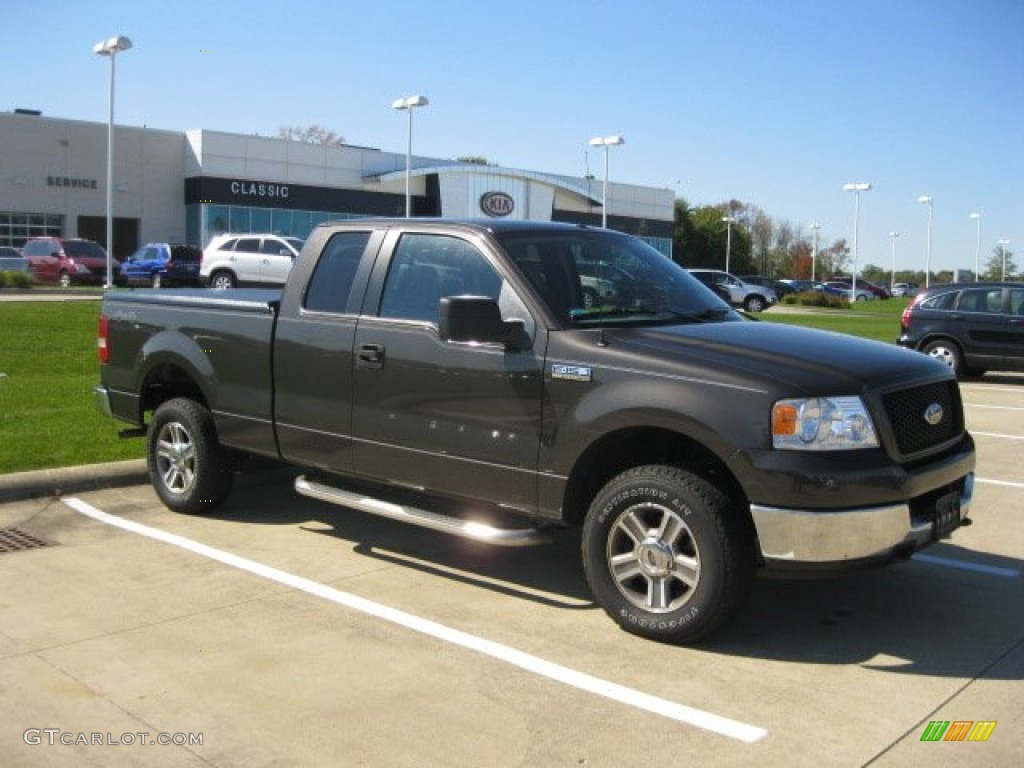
(773, 102)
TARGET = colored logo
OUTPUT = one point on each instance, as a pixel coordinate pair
(958, 730)
(497, 204)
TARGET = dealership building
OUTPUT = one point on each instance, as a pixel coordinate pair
(188, 187)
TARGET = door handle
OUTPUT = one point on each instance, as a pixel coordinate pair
(370, 356)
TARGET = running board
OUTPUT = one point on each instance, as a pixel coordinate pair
(467, 529)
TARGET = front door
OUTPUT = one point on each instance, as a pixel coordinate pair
(454, 418)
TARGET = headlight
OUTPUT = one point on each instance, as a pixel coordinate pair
(81, 269)
(822, 424)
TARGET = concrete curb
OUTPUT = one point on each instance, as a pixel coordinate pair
(64, 480)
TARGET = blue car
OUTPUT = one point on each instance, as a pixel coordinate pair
(163, 265)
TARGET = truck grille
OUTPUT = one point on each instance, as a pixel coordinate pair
(906, 411)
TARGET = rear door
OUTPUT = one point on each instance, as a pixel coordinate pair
(455, 418)
(275, 262)
(246, 259)
(1014, 346)
(979, 312)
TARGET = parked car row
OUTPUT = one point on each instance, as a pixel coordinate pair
(229, 261)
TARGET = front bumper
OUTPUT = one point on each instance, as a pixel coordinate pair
(797, 539)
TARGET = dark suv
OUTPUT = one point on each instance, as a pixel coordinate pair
(68, 262)
(972, 327)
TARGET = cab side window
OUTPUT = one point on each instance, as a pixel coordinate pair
(426, 268)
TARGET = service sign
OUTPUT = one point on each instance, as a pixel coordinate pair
(497, 204)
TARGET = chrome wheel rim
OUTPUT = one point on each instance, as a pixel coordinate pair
(653, 558)
(943, 354)
(176, 458)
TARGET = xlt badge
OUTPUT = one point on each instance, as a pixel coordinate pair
(571, 372)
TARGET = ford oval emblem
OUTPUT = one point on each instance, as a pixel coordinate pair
(933, 414)
(497, 204)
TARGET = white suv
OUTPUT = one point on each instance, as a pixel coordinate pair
(753, 298)
(249, 259)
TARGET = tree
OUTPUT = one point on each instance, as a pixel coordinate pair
(994, 267)
(473, 160)
(310, 134)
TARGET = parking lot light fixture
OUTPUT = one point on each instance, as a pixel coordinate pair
(1003, 245)
(977, 245)
(892, 275)
(856, 188)
(606, 142)
(927, 200)
(409, 104)
(111, 47)
(814, 251)
(728, 238)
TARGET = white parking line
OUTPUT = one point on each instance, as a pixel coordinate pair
(1006, 483)
(995, 407)
(997, 434)
(991, 570)
(630, 696)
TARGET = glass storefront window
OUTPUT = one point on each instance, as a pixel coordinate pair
(282, 222)
(260, 220)
(240, 219)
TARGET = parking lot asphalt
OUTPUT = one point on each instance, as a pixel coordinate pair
(283, 631)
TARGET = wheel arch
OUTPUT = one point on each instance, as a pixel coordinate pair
(628, 447)
(170, 365)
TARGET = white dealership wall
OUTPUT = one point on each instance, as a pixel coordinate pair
(58, 166)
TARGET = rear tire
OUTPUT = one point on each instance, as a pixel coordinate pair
(666, 554)
(222, 280)
(155, 281)
(754, 304)
(188, 468)
(947, 352)
(64, 280)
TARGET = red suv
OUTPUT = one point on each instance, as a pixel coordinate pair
(68, 262)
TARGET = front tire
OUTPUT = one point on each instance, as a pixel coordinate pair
(188, 468)
(156, 281)
(754, 304)
(666, 555)
(64, 280)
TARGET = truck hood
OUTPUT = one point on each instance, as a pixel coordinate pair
(802, 360)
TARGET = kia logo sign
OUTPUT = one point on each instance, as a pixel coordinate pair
(497, 204)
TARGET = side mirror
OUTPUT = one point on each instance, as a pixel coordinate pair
(478, 319)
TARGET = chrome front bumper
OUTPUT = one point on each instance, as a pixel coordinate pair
(792, 536)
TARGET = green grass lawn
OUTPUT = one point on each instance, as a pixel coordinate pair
(48, 368)
(878, 320)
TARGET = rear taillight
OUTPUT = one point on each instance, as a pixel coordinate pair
(103, 331)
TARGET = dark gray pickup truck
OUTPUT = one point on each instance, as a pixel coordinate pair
(497, 379)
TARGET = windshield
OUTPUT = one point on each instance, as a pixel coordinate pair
(80, 249)
(589, 277)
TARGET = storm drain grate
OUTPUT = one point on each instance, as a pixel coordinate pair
(16, 540)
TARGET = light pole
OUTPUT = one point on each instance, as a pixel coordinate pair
(408, 104)
(927, 200)
(1002, 252)
(892, 275)
(606, 141)
(111, 47)
(856, 188)
(814, 251)
(977, 245)
(728, 239)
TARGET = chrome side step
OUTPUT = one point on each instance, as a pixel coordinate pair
(467, 529)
